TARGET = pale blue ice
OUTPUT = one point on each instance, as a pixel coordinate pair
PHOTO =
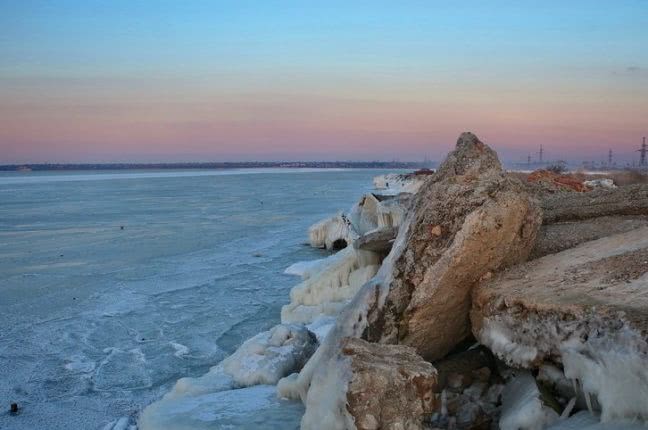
(113, 285)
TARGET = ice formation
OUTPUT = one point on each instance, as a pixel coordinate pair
(332, 233)
(305, 269)
(261, 360)
(613, 368)
(609, 365)
(375, 211)
(399, 183)
(523, 408)
(321, 376)
(327, 290)
(371, 212)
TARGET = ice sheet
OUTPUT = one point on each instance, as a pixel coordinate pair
(98, 321)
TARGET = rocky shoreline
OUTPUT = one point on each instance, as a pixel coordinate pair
(459, 299)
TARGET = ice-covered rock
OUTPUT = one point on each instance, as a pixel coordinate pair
(379, 240)
(583, 309)
(374, 211)
(332, 233)
(468, 220)
(330, 286)
(522, 406)
(401, 183)
(370, 386)
(263, 359)
(371, 212)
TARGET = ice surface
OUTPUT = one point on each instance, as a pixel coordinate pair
(101, 321)
(247, 408)
(585, 421)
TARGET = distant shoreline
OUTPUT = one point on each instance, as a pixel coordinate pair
(216, 165)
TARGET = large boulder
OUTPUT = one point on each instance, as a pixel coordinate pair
(467, 220)
(372, 386)
(585, 310)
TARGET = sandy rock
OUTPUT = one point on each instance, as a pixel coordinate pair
(584, 309)
(390, 387)
(553, 238)
(468, 219)
(627, 200)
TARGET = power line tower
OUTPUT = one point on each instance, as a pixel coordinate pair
(541, 153)
(529, 160)
(642, 152)
(610, 157)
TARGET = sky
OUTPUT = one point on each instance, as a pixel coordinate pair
(135, 80)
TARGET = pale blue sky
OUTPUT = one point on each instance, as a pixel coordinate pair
(579, 67)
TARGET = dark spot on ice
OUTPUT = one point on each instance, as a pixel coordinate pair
(339, 244)
(121, 227)
(14, 408)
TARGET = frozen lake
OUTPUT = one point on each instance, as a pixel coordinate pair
(115, 284)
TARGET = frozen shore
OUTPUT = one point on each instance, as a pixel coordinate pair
(424, 317)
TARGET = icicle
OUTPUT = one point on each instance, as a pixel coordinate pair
(568, 409)
(588, 400)
(575, 386)
(444, 403)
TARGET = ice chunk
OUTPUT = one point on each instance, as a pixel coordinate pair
(614, 369)
(263, 359)
(522, 406)
(306, 269)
